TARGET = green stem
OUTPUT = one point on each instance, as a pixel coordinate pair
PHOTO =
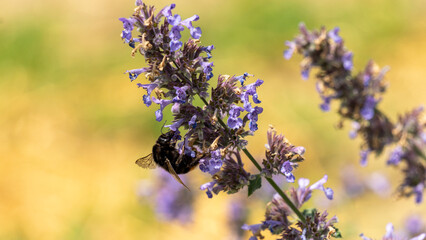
(270, 180)
(278, 189)
(419, 152)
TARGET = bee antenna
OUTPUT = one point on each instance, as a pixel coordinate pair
(163, 126)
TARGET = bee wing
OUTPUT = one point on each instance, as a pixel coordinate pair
(146, 162)
(174, 174)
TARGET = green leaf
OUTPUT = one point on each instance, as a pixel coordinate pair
(337, 234)
(254, 184)
(309, 212)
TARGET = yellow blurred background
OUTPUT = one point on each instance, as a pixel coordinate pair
(72, 124)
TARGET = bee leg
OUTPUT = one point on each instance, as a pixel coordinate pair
(179, 160)
(174, 174)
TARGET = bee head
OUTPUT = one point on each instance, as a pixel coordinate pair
(168, 137)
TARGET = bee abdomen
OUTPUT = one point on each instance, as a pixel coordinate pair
(186, 164)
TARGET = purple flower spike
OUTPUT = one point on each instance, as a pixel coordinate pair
(255, 229)
(175, 45)
(166, 11)
(213, 164)
(128, 23)
(184, 148)
(163, 103)
(291, 48)
(253, 116)
(414, 224)
(299, 150)
(320, 186)
(305, 73)
(354, 132)
(188, 22)
(158, 115)
(175, 126)
(208, 187)
(181, 93)
(303, 183)
(175, 32)
(286, 170)
(390, 235)
(133, 74)
(364, 157)
(208, 49)
(149, 88)
(364, 237)
(127, 36)
(233, 121)
(347, 61)
(250, 91)
(367, 111)
(334, 34)
(235, 111)
(195, 32)
(174, 20)
(176, 108)
(170, 199)
(366, 78)
(243, 78)
(389, 231)
(418, 191)
(396, 156)
(207, 69)
(325, 106)
(192, 122)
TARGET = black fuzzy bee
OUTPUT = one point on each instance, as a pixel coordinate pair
(165, 155)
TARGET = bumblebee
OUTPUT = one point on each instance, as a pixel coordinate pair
(165, 155)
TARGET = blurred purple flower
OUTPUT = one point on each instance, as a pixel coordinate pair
(391, 235)
(347, 61)
(172, 202)
(334, 35)
(379, 184)
(395, 156)
(418, 192)
(415, 225)
(367, 111)
(291, 48)
(237, 216)
(364, 157)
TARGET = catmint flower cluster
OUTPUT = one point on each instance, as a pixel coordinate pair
(358, 96)
(391, 235)
(278, 216)
(237, 216)
(410, 133)
(230, 179)
(281, 156)
(179, 72)
(172, 203)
